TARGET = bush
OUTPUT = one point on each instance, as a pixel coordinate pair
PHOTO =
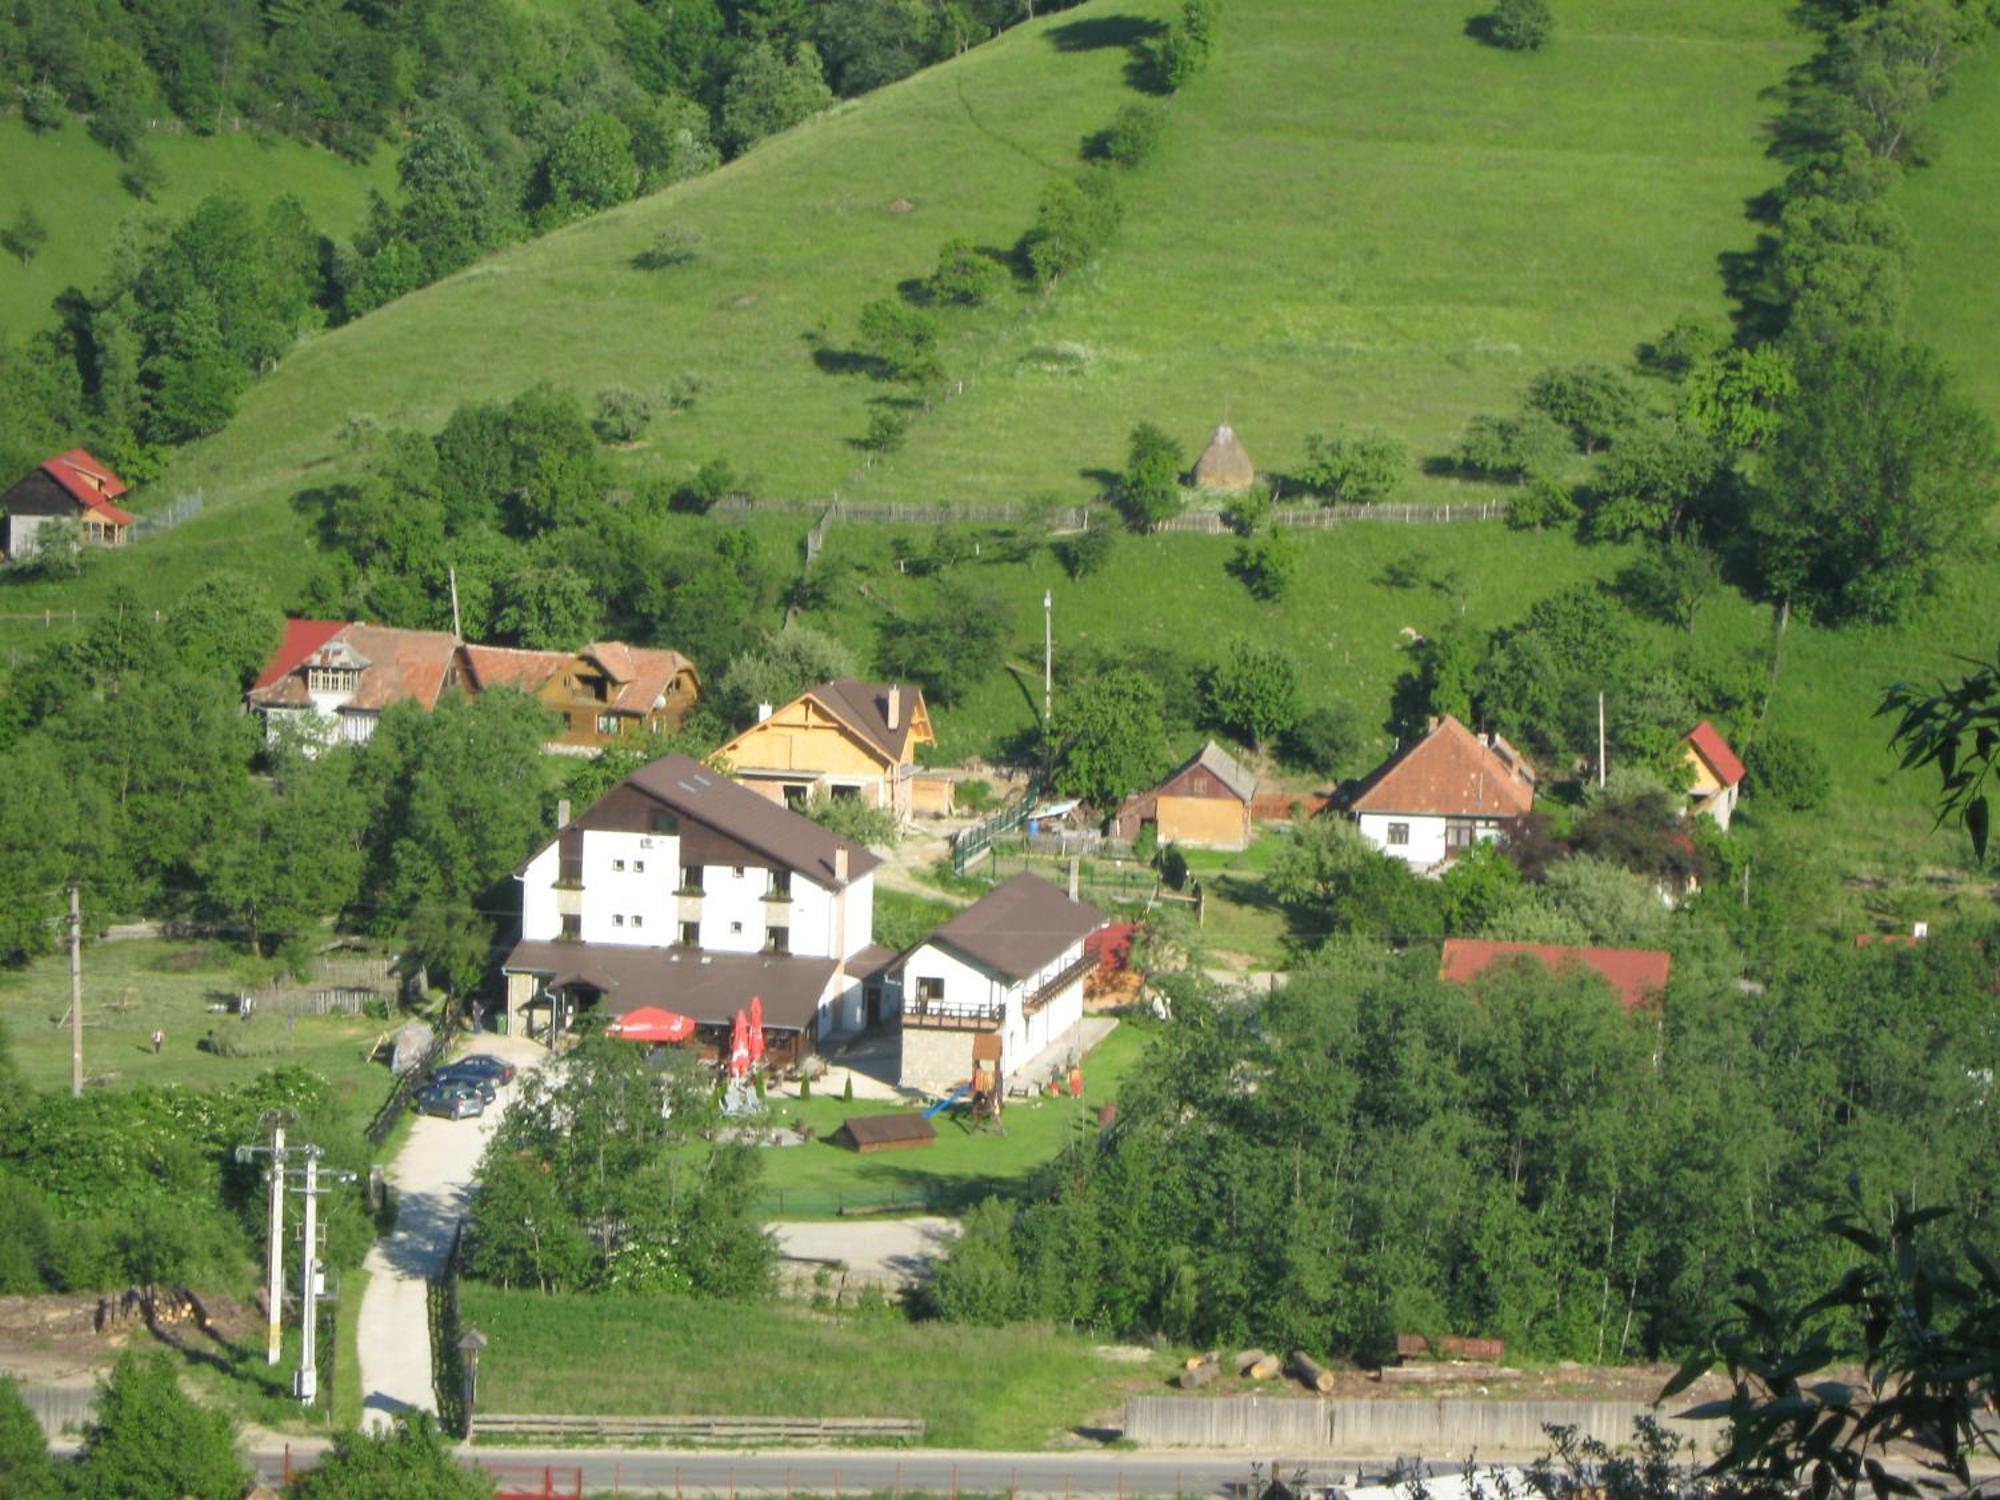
(1132, 137)
(1151, 485)
(1267, 565)
(261, 1036)
(854, 819)
(1543, 502)
(1521, 25)
(965, 276)
(1084, 552)
(43, 108)
(623, 414)
(1324, 739)
(1075, 219)
(1246, 513)
(675, 245)
(887, 429)
(1789, 770)
(713, 481)
(1358, 469)
(948, 650)
(1516, 448)
(903, 339)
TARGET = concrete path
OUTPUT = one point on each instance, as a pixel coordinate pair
(430, 1178)
(891, 1251)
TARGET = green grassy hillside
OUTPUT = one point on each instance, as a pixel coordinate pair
(72, 183)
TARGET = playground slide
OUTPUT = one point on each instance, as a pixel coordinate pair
(963, 1091)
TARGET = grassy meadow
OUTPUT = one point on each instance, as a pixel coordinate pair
(72, 183)
(1014, 1387)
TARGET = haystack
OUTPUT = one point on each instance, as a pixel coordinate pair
(1224, 465)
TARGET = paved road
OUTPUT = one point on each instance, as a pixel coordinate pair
(430, 1177)
(712, 1475)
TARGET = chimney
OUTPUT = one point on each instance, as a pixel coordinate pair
(895, 704)
(562, 814)
(1431, 724)
(840, 863)
(1920, 931)
(763, 712)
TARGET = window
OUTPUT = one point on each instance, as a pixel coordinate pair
(738, 871)
(331, 679)
(665, 822)
(638, 867)
(690, 934)
(1458, 833)
(778, 940)
(1399, 834)
(930, 989)
(609, 724)
(691, 879)
(617, 920)
(846, 794)
(637, 920)
(617, 864)
(736, 929)
(572, 926)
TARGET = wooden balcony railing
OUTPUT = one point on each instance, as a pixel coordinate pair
(952, 1015)
(1068, 975)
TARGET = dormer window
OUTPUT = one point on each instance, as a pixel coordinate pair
(331, 679)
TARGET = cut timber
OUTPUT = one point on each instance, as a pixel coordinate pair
(1311, 1372)
(1247, 1358)
(1214, 1356)
(1265, 1369)
(1447, 1373)
(1196, 1376)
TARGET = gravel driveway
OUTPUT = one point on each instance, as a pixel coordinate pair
(430, 1177)
(891, 1251)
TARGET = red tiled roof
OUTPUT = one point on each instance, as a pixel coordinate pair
(1635, 973)
(1450, 772)
(90, 483)
(642, 673)
(302, 638)
(1111, 945)
(1714, 749)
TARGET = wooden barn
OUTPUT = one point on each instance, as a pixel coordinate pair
(70, 486)
(866, 1133)
(1206, 801)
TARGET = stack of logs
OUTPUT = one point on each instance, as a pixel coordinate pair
(1254, 1364)
(153, 1306)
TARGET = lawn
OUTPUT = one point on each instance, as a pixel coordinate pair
(129, 988)
(1014, 1387)
(72, 184)
(966, 1165)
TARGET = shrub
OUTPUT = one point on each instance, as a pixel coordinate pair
(1151, 486)
(887, 428)
(1543, 502)
(1075, 219)
(965, 276)
(1356, 469)
(261, 1036)
(1522, 25)
(713, 481)
(1246, 513)
(1268, 565)
(675, 245)
(1253, 693)
(1132, 137)
(1084, 552)
(1516, 448)
(1789, 770)
(1323, 740)
(623, 414)
(975, 795)
(43, 108)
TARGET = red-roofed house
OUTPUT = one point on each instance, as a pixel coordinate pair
(1718, 774)
(72, 486)
(1437, 796)
(337, 677)
(1636, 974)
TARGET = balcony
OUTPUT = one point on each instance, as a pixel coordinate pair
(949, 1015)
(569, 900)
(1067, 976)
(687, 906)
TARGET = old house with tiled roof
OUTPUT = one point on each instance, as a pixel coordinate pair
(1442, 793)
(331, 679)
(1205, 801)
(1008, 969)
(681, 890)
(1638, 976)
(844, 738)
(1718, 774)
(72, 486)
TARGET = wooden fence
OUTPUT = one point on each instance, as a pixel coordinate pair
(1361, 1428)
(745, 1430)
(407, 1086)
(345, 984)
(1208, 520)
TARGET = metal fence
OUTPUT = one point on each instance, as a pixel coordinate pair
(969, 843)
(184, 508)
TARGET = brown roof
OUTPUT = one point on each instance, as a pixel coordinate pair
(864, 708)
(1635, 973)
(642, 673)
(885, 1132)
(1019, 927)
(396, 666)
(709, 987)
(1450, 772)
(775, 831)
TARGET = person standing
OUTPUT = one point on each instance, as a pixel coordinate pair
(159, 1040)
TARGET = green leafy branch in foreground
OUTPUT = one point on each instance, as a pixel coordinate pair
(1957, 729)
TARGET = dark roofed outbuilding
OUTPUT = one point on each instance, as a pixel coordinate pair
(904, 1132)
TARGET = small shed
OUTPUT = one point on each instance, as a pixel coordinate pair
(1206, 801)
(866, 1133)
(1224, 465)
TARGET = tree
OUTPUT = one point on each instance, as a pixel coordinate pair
(795, 658)
(1151, 487)
(949, 649)
(1132, 137)
(1735, 395)
(1108, 738)
(26, 234)
(1073, 222)
(1526, 446)
(1267, 564)
(904, 339)
(1881, 471)
(147, 1438)
(410, 1461)
(868, 43)
(1543, 502)
(1788, 769)
(1672, 580)
(1593, 401)
(1957, 729)
(1324, 739)
(1354, 468)
(225, 626)
(1253, 693)
(623, 414)
(965, 276)
(449, 213)
(769, 92)
(589, 168)
(547, 608)
(26, 1471)
(1085, 552)
(143, 177)
(1841, 267)
(1521, 25)
(1654, 482)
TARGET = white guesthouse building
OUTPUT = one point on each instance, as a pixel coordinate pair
(1443, 793)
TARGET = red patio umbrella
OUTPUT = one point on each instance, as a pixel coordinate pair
(649, 1023)
(756, 1037)
(739, 1047)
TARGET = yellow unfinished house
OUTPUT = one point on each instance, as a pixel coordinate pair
(843, 739)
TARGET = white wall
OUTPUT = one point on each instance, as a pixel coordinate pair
(630, 875)
(967, 983)
(1426, 845)
(540, 922)
(860, 914)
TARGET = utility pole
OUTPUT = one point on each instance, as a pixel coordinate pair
(1600, 739)
(456, 633)
(1048, 656)
(275, 1249)
(306, 1387)
(75, 994)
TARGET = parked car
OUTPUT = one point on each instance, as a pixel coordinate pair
(451, 1101)
(485, 1065)
(454, 1077)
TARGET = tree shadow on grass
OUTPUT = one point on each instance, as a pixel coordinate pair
(832, 361)
(1098, 32)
